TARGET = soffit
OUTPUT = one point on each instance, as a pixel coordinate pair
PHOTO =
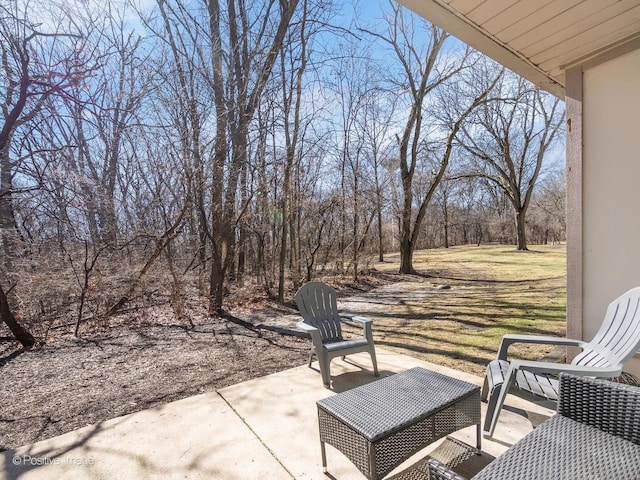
(538, 39)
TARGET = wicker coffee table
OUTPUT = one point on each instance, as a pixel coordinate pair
(379, 425)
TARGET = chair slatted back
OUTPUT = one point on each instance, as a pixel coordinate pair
(319, 308)
(618, 339)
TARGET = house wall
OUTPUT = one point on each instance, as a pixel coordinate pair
(610, 171)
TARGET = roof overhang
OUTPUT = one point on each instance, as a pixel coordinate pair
(537, 39)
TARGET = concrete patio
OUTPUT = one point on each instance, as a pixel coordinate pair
(264, 428)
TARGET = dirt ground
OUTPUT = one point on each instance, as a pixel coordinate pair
(141, 360)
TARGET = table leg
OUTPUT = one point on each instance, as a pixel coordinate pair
(479, 438)
(324, 457)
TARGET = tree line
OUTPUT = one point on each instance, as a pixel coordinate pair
(179, 147)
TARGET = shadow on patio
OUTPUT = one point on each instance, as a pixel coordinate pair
(264, 428)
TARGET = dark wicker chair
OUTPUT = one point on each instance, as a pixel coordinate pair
(595, 434)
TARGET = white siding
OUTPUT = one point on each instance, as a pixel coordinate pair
(611, 186)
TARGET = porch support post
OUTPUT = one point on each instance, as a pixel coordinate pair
(574, 144)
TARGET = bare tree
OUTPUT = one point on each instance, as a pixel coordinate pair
(442, 198)
(255, 40)
(188, 79)
(379, 112)
(549, 207)
(509, 139)
(294, 53)
(235, 138)
(422, 73)
(105, 113)
(36, 64)
(225, 52)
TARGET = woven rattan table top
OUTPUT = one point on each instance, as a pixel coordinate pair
(390, 404)
(566, 449)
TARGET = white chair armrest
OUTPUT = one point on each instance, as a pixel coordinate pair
(510, 339)
(557, 368)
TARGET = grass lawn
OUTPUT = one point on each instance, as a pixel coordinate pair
(493, 290)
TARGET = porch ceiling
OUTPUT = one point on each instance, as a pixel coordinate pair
(538, 39)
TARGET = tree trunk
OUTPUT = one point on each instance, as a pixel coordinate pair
(379, 214)
(242, 107)
(406, 249)
(446, 234)
(521, 234)
(406, 257)
(216, 279)
(284, 234)
(380, 238)
(356, 222)
(9, 234)
(292, 132)
(445, 213)
(244, 235)
(18, 331)
(296, 272)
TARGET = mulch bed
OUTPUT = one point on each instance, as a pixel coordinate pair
(69, 383)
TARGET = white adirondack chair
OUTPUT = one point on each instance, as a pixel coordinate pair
(318, 307)
(616, 342)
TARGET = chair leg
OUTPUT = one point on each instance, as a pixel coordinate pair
(372, 353)
(324, 361)
(484, 391)
(311, 357)
(497, 397)
(487, 431)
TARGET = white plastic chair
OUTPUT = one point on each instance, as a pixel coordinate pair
(615, 343)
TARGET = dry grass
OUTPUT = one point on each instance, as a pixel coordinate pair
(493, 290)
